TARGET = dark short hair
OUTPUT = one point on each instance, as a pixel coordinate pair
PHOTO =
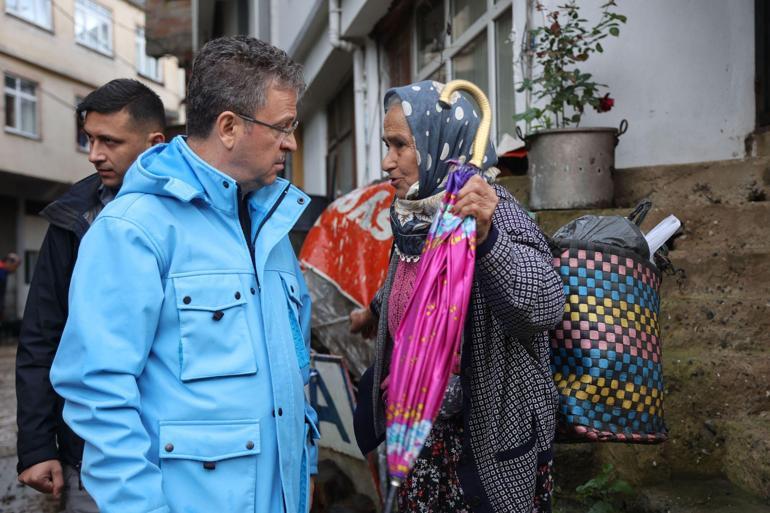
(234, 73)
(142, 103)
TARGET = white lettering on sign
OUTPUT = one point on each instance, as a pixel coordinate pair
(364, 213)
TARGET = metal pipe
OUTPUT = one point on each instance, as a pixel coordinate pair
(359, 87)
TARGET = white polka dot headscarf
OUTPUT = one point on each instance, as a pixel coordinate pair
(440, 135)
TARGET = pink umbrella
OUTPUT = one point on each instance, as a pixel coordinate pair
(427, 343)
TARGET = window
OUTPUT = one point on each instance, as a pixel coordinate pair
(340, 152)
(468, 39)
(81, 139)
(145, 65)
(20, 106)
(93, 26)
(34, 11)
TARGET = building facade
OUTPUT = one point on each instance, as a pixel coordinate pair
(52, 54)
(691, 80)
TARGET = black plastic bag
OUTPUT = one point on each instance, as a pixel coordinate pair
(622, 232)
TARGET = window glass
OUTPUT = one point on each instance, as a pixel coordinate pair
(93, 26)
(20, 106)
(504, 68)
(81, 139)
(145, 65)
(470, 63)
(35, 11)
(464, 13)
(431, 32)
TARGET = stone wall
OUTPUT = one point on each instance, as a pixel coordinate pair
(715, 324)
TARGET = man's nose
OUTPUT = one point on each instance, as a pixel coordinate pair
(95, 153)
(289, 143)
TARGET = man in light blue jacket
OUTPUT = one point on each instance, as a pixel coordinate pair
(185, 355)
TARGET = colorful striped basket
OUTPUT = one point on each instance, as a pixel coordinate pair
(606, 354)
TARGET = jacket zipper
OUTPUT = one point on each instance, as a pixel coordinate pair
(248, 240)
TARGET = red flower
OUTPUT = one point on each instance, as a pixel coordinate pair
(605, 103)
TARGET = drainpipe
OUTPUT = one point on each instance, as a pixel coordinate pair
(359, 88)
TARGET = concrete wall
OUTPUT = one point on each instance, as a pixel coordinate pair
(681, 73)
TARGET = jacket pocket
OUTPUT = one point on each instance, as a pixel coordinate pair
(525, 444)
(209, 464)
(294, 306)
(214, 332)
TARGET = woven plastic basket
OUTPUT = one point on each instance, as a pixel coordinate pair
(606, 354)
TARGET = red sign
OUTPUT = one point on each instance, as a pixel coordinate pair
(350, 242)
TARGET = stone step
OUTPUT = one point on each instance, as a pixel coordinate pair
(730, 182)
(714, 321)
(692, 495)
(743, 275)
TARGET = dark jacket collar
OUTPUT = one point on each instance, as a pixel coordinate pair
(67, 211)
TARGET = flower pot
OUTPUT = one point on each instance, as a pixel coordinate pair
(572, 168)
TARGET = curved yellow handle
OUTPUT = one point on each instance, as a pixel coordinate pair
(482, 134)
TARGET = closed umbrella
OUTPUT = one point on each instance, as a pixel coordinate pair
(427, 342)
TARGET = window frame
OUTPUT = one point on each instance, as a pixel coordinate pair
(94, 9)
(18, 95)
(17, 14)
(142, 59)
(485, 24)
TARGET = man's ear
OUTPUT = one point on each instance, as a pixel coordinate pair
(227, 127)
(155, 138)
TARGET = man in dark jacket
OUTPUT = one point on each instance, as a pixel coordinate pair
(121, 119)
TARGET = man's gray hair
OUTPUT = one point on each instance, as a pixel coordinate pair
(235, 73)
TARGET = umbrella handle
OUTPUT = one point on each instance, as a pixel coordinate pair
(482, 134)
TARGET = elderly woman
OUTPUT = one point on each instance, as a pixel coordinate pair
(490, 448)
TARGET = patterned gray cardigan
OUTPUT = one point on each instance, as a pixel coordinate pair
(509, 398)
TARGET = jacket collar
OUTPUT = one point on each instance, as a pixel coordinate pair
(67, 211)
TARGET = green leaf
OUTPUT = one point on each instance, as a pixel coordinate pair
(602, 507)
(615, 31)
(621, 486)
(599, 48)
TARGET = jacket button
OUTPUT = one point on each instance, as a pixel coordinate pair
(249, 445)
(209, 465)
(218, 315)
(186, 300)
(225, 184)
(280, 412)
(169, 447)
(237, 295)
(301, 201)
(253, 291)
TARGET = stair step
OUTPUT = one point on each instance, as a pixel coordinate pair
(730, 182)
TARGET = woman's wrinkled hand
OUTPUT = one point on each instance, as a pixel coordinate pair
(478, 199)
(363, 321)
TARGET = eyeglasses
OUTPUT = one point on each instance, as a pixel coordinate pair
(285, 130)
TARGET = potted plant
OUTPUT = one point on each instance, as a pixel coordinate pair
(570, 166)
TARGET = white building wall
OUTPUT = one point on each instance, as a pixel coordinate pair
(681, 73)
(290, 16)
(314, 136)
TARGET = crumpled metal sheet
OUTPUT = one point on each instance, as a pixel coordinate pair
(330, 325)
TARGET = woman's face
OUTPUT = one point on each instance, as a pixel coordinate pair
(400, 162)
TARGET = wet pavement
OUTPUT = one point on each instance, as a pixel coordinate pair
(14, 498)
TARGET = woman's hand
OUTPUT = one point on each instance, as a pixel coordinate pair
(478, 199)
(363, 321)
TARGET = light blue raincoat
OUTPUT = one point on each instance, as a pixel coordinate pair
(183, 362)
